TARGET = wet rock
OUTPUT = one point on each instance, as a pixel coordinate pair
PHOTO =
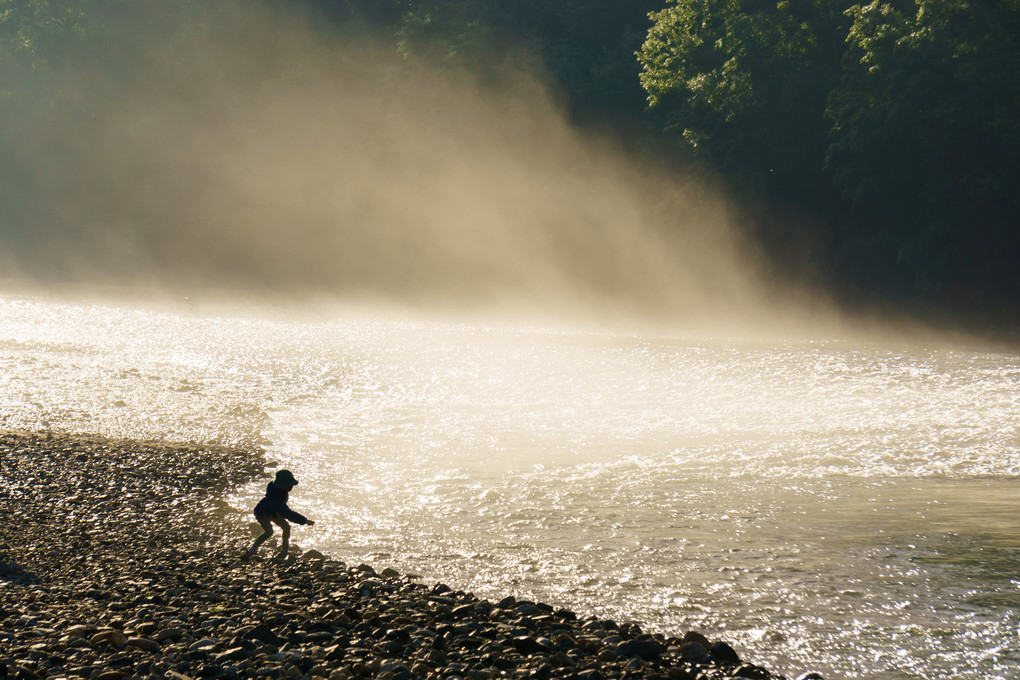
(694, 652)
(169, 634)
(144, 644)
(264, 634)
(694, 636)
(751, 671)
(724, 654)
(203, 645)
(24, 673)
(113, 637)
(313, 556)
(527, 645)
(111, 675)
(642, 649)
(463, 610)
(142, 580)
(81, 630)
(369, 585)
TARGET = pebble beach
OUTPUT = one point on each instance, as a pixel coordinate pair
(121, 560)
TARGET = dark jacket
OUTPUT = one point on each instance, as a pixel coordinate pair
(275, 503)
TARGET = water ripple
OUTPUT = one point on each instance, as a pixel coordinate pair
(843, 507)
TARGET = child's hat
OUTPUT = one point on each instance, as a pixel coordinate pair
(284, 478)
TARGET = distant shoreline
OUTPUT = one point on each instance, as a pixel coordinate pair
(119, 560)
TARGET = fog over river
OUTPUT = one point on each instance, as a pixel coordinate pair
(835, 505)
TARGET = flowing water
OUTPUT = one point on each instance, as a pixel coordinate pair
(838, 506)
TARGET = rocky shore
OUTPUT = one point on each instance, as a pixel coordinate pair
(119, 560)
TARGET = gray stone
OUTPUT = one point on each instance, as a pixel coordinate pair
(144, 644)
(695, 636)
(369, 585)
(264, 634)
(527, 645)
(113, 637)
(204, 645)
(724, 654)
(158, 575)
(750, 671)
(169, 634)
(642, 649)
(694, 651)
(233, 654)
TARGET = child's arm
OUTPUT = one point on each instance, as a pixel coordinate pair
(279, 501)
(295, 517)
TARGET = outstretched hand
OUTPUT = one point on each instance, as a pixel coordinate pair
(309, 522)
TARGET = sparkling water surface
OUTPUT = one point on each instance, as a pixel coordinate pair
(845, 507)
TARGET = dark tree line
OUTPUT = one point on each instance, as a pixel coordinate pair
(893, 125)
(879, 140)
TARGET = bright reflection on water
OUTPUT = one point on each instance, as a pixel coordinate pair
(840, 507)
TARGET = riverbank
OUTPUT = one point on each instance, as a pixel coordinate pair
(119, 560)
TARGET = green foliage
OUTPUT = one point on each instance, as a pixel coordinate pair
(745, 83)
(353, 18)
(585, 47)
(896, 123)
(38, 39)
(34, 33)
(926, 141)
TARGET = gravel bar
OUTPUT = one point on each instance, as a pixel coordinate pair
(120, 560)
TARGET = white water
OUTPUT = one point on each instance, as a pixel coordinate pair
(832, 506)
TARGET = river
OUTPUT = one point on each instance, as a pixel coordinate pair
(837, 505)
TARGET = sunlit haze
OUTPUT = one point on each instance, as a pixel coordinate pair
(500, 351)
(257, 156)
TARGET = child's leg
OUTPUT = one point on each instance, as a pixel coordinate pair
(285, 526)
(267, 531)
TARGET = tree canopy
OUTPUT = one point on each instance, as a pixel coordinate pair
(925, 143)
(894, 122)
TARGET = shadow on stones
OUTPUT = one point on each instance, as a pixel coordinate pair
(11, 572)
